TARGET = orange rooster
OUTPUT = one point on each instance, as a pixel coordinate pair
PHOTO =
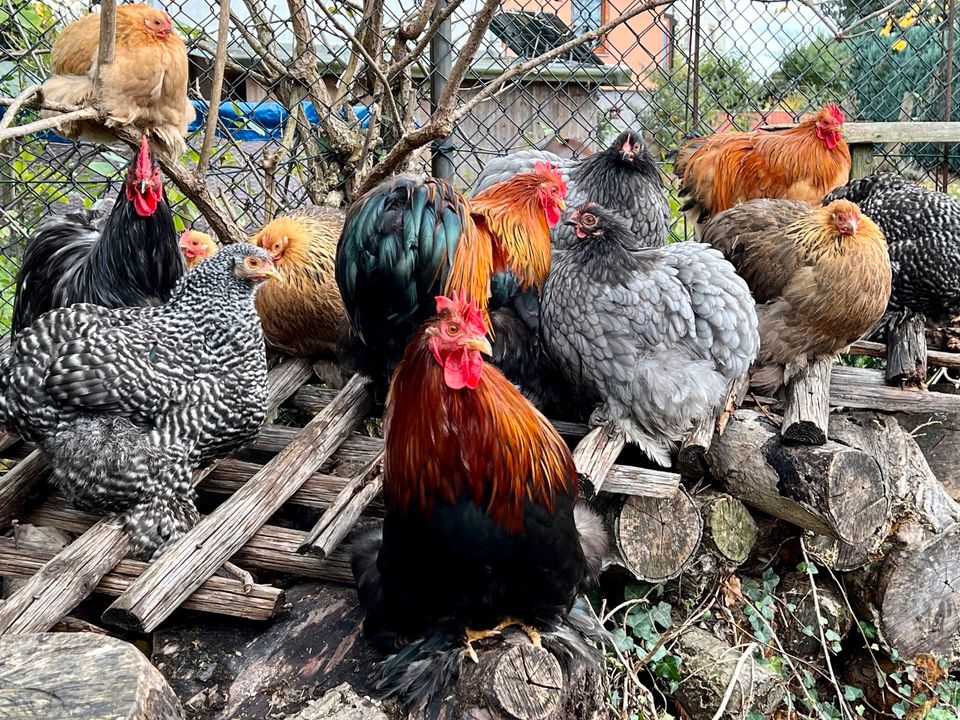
(302, 315)
(821, 278)
(197, 246)
(412, 238)
(145, 86)
(801, 163)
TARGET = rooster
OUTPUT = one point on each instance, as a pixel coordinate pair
(820, 277)
(922, 229)
(197, 246)
(129, 258)
(658, 334)
(413, 237)
(482, 526)
(302, 315)
(127, 402)
(145, 85)
(622, 178)
(801, 163)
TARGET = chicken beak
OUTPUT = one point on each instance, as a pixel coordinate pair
(144, 186)
(479, 343)
(561, 204)
(271, 273)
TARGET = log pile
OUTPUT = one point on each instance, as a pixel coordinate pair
(830, 469)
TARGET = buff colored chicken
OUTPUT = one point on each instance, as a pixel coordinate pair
(145, 86)
(302, 315)
(197, 246)
(821, 278)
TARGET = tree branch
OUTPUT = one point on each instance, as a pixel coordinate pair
(414, 53)
(108, 37)
(216, 89)
(86, 113)
(844, 34)
(410, 29)
(465, 59)
(16, 104)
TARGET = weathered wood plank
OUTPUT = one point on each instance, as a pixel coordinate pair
(204, 549)
(901, 132)
(807, 410)
(17, 485)
(937, 358)
(595, 454)
(868, 390)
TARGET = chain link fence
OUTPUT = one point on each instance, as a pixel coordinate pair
(685, 67)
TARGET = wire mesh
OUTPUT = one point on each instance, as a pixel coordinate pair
(687, 66)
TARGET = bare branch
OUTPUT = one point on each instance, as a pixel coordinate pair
(87, 113)
(108, 37)
(411, 27)
(216, 89)
(414, 53)
(466, 57)
(844, 34)
(265, 55)
(232, 64)
(16, 104)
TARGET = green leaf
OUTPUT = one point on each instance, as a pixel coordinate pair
(623, 641)
(852, 693)
(900, 709)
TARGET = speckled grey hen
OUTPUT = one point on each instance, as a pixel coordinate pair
(656, 333)
(922, 228)
(126, 403)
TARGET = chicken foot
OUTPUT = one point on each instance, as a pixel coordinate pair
(473, 635)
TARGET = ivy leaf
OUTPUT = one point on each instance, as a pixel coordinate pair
(852, 693)
(900, 709)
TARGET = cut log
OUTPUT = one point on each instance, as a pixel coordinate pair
(830, 489)
(595, 454)
(51, 538)
(656, 538)
(691, 459)
(907, 353)
(803, 611)
(81, 675)
(202, 551)
(719, 682)
(807, 410)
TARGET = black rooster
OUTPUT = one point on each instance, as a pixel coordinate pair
(130, 259)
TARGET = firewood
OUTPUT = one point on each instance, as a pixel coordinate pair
(803, 612)
(907, 353)
(595, 454)
(18, 484)
(691, 460)
(807, 409)
(830, 489)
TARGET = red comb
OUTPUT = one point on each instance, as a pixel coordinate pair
(836, 112)
(468, 311)
(144, 160)
(552, 172)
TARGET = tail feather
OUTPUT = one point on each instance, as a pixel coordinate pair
(593, 540)
(68, 90)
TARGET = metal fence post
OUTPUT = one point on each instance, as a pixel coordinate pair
(441, 62)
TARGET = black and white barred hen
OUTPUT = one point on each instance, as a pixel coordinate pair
(657, 334)
(622, 178)
(126, 403)
(922, 228)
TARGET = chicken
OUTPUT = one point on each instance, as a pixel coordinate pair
(303, 315)
(820, 277)
(197, 246)
(481, 529)
(922, 229)
(657, 334)
(801, 163)
(145, 86)
(413, 237)
(125, 403)
(622, 178)
(130, 257)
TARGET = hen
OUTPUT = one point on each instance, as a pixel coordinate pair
(302, 315)
(126, 403)
(481, 529)
(922, 229)
(658, 334)
(145, 86)
(413, 237)
(622, 178)
(820, 277)
(197, 246)
(801, 163)
(128, 258)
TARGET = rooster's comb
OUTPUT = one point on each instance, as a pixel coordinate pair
(837, 113)
(468, 311)
(144, 167)
(552, 172)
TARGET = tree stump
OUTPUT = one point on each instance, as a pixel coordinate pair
(830, 489)
(907, 353)
(81, 675)
(715, 675)
(799, 628)
(807, 410)
(656, 537)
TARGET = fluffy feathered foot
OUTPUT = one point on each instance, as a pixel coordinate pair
(154, 525)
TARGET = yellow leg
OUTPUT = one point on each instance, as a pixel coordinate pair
(474, 635)
(531, 633)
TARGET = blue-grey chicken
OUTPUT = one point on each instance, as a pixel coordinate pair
(657, 334)
(126, 403)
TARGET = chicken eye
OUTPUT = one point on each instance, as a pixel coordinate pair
(453, 329)
(253, 262)
(588, 220)
(636, 148)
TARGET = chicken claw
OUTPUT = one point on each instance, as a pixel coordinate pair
(473, 636)
(531, 632)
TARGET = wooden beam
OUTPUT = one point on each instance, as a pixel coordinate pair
(901, 132)
(210, 543)
(937, 358)
(17, 484)
(868, 390)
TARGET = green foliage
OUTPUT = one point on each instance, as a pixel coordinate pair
(818, 70)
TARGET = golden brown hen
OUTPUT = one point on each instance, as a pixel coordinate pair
(197, 246)
(820, 277)
(301, 315)
(145, 86)
(801, 163)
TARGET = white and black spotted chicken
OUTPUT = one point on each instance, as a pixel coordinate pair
(656, 334)
(922, 228)
(126, 403)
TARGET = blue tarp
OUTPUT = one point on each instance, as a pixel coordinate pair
(247, 121)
